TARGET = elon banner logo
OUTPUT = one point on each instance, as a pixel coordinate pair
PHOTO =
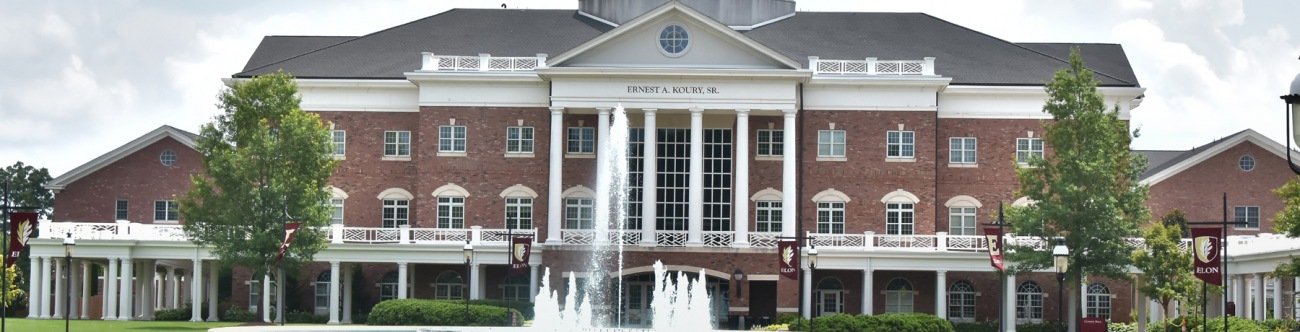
(789, 261)
(994, 236)
(520, 248)
(21, 226)
(1206, 244)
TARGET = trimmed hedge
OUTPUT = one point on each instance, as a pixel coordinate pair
(524, 308)
(435, 313)
(914, 322)
(975, 327)
(1235, 324)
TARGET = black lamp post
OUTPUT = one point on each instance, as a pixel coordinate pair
(68, 244)
(1061, 255)
(740, 277)
(1292, 100)
(812, 265)
(469, 256)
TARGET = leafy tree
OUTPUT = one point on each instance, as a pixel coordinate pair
(1086, 189)
(27, 187)
(1287, 221)
(1166, 267)
(265, 158)
(1178, 219)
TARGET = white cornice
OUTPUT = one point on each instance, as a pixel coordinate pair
(345, 83)
(801, 75)
(117, 154)
(417, 77)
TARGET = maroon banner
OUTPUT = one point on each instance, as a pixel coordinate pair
(789, 251)
(1205, 246)
(994, 236)
(520, 248)
(21, 226)
(289, 229)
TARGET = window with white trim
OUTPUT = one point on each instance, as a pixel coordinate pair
(254, 293)
(1248, 215)
(388, 287)
(121, 212)
(961, 221)
(1246, 163)
(899, 296)
(578, 213)
(168, 211)
(771, 142)
(767, 216)
(829, 298)
(519, 213)
(899, 218)
(336, 208)
(582, 140)
(830, 217)
(451, 212)
(900, 144)
(961, 150)
(451, 138)
(516, 288)
(397, 144)
(322, 290)
(339, 142)
(167, 158)
(830, 143)
(519, 140)
(396, 212)
(961, 301)
(448, 286)
(1098, 301)
(1028, 148)
(1029, 303)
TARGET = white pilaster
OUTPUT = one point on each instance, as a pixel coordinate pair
(941, 294)
(172, 288)
(347, 295)
(125, 305)
(532, 283)
(695, 235)
(806, 283)
(1009, 310)
(110, 291)
(1277, 298)
(334, 293)
(1259, 297)
(788, 176)
(60, 288)
(196, 290)
(741, 201)
(868, 280)
(212, 291)
(401, 280)
(649, 184)
(555, 185)
(34, 303)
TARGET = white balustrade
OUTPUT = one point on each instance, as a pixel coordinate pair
(872, 66)
(671, 238)
(428, 235)
(719, 238)
(578, 236)
(481, 62)
(763, 239)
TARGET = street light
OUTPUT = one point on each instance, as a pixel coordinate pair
(68, 244)
(740, 276)
(812, 265)
(1061, 255)
(469, 256)
(1292, 101)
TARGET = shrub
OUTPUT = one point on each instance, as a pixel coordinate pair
(773, 327)
(299, 317)
(907, 322)
(1280, 325)
(1122, 327)
(434, 313)
(234, 314)
(786, 318)
(839, 322)
(975, 327)
(1235, 324)
(1039, 327)
(173, 315)
(524, 308)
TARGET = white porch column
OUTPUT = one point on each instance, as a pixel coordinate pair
(532, 283)
(334, 293)
(868, 280)
(110, 289)
(649, 184)
(148, 298)
(266, 297)
(1141, 302)
(555, 186)
(184, 284)
(86, 279)
(171, 286)
(1242, 299)
(125, 299)
(60, 288)
(34, 303)
(941, 293)
(695, 234)
(45, 286)
(1277, 298)
(347, 295)
(602, 160)
(788, 176)
(806, 283)
(740, 219)
(196, 291)
(212, 291)
(475, 274)
(1259, 297)
(1009, 310)
(401, 280)
(74, 289)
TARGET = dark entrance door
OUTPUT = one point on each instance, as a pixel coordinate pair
(762, 302)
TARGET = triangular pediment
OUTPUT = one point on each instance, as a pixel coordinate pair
(640, 43)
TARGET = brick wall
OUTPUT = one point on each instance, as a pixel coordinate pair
(140, 178)
(1199, 190)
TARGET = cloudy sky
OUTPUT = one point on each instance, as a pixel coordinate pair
(84, 77)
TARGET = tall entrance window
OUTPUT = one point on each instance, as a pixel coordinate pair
(961, 301)
(674, 166)
(1098, 301)
(388, 286)
(1029, 303)
(448, 286)
(672, 192)
(717, 179)
(635, 177)
(898, 296)
(323, 293)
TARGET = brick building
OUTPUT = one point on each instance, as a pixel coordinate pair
(884, 137)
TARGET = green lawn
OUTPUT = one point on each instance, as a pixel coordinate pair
(42, 325)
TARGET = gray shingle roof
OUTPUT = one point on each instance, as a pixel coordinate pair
(1159, 160)
(276, 48)
(967, 56)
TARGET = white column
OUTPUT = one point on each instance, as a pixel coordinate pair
(695, 235)
(347, 295)
(1009, 310)
(1259, 297)
(86, 279)
(127, 290)
(45, 286)
(60, 288)
(555, 187)
(741, 202)
(1243, 305)
(110, 290)
(649, 186)
(475, 274)
(266, 297)
(401, 280)
(868, 280)
(602, 172)
(806, 283)
(74, 289)
(212, 291)
(532, 283)
(171, 286)
(788, 175)
(1277, 298)
(334, 292)
(34, 303)
(187, 276)
(196, 291)
(149, 282)
(941, 293)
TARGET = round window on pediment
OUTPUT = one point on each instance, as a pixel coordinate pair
(674, 40)
(1247, 163)
(167, 158)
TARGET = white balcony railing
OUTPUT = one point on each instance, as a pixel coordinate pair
(872, 66)
(481, 62)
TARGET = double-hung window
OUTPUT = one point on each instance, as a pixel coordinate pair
(1248, 215)
(339, 140)
(519, 140)
(830, 217)
(582, 140)
(168, 211)
(1028, 148)
(961, 221)
(396, 212)
(519, 213)
(830, 144)
(122, 212)
(451, 139)
(900, 144)
(767, 216)
(771, 142)
(451, 212)
(578, 213)
(899, 218)
(961, 150)
(397, 144)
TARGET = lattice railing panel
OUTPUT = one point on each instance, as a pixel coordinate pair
(763, 240)
(502, 235)
(719, 239)
(458, 235)
(838, 240)
(905, 241)
(670, 238)
(576, 236)
(967, 242)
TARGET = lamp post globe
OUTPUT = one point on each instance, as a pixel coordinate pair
(1292, 99)
(1061, 261)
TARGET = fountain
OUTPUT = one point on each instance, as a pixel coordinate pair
(683, 304)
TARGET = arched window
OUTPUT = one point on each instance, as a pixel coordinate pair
(337, 196)
(900, 212)
(767, 211)
(396, 207)
(830, 211)
(961, 301)
(519, 206)
(448, 286)
(898, 296)
(451, 205)
(388, 286)
(1029, 303)
(579, 208)
(255, 291)
(1098, 301)
(962, 215)
(516, 288)
(323, 293)
(829, 298)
